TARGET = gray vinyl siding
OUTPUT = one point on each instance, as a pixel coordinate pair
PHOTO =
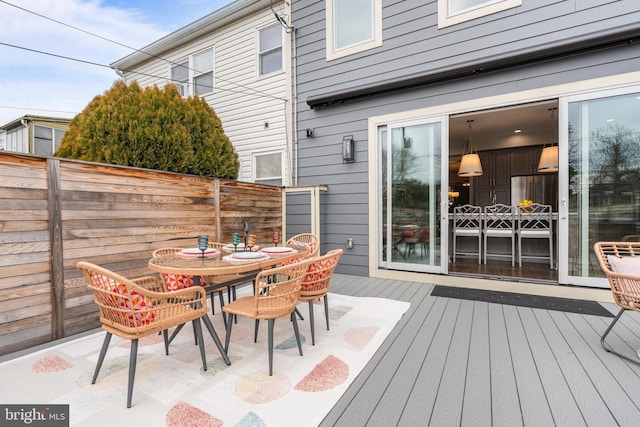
(412, 44)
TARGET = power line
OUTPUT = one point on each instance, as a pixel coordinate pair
(253, 92)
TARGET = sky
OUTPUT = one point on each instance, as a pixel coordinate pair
(33, 82)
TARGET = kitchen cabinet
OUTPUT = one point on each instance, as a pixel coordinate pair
(494, 185)
(524, 161)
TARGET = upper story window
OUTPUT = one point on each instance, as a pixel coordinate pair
(268, 168)
(194, 75)
(353, 26)
(46, 140)
(451, 12)
(269, 50)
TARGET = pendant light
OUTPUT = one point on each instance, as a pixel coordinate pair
(549, 157)
(470, 163)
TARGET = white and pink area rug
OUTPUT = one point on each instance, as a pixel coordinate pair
(175, 391)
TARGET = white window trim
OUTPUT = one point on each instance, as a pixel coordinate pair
(265, 153)
(359, 47)
(445, 20)
(190, 85)
(258, 52)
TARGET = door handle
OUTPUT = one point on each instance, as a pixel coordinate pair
(564, 208)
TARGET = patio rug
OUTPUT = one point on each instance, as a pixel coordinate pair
(524, 300)
(174, 390)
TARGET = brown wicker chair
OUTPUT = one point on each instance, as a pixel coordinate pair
(130, 310)
(624, 287)
(276, 295)
(315, 284)
(309, 240)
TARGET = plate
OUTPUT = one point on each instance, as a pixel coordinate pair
(197, 251)
(278, 249)
(246, 255)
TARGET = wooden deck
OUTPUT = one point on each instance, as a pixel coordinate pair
(459, 362)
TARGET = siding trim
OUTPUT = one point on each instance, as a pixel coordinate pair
(618, 36)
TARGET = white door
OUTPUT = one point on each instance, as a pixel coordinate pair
(412, 183)
(599, 175)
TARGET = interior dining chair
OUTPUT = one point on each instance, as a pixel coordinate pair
(423, 241)
(467, 222)
(131, 309)
(276, 295)
(620, 262)
(535, 221)
(315, 285)
(500, 222)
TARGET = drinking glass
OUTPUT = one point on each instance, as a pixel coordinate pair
(203, 243)
(235, 240)
(276, 237)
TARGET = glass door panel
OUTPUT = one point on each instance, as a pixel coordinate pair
(601, 194)
(410, 193)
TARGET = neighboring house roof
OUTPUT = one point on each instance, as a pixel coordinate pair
(213, 21)
(20, 121)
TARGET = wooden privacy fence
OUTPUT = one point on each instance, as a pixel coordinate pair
(56, 212)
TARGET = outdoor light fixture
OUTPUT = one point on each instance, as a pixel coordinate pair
(470, 164)
(549, 156)
(348, 149)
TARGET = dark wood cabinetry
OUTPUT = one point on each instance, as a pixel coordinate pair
(524, 161)
(494, 186)
(498, 166)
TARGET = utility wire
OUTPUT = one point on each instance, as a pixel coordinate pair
(253, 92)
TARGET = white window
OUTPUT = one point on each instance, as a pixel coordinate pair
(194, 75)
(46, 140)
(353, 26)
(451, 12)
(269, 50)
(268, 168)
(180, 76)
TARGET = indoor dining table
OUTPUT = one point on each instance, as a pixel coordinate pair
(219, 263)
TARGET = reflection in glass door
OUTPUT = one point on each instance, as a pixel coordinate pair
(409, 197)
(601, 196)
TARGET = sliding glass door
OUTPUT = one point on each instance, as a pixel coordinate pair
(409, 196)
(599, 192)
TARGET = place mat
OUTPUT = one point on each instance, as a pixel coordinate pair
(197, 253)
(229, 248)
(524, 300)
(236, 258)
(277, 251)
(172, 390)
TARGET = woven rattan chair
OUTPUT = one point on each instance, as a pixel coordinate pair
(276, 295)
(130, 310)
(309, 240)
(315, 284)
(624, 281)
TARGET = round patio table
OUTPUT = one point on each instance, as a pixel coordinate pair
(222, 265)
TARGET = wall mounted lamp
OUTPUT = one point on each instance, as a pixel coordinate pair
(348, 149)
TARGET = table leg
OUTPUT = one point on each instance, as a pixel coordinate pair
(216, 340)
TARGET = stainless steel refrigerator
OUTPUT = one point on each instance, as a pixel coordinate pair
(539, 188)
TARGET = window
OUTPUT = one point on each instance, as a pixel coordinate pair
(46, 140)
(268, 168)
(194, 75)
(269, 50)
(203, 72)
(353, 26)
(180, 77)
(451, 12)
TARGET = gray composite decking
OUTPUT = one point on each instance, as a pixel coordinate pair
(451, 362)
